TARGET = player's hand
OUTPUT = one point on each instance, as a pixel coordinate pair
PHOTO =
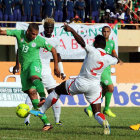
(15, 69)
(67, 28)
(57, 72)
(63, 76)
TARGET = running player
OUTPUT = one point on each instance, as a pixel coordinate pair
(88, 81)
(47, 78)
(106, 81)
(29, 43)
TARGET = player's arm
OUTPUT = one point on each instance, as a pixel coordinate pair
(16, 67)
(115, 55)
(3, 32)
(78, 38)
(55, 57)
(60, 66)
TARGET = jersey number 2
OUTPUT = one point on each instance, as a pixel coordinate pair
(98, 68)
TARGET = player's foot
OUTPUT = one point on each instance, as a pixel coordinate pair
(135, 127)
(27, 123)
(42, 101)
(59, 123)
(36, 113)
(88, 112)
(109, 113)
(47, 127)
(106, 127)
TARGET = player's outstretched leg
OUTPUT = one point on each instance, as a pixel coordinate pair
(27, 119)
(57, 111)
(88, 111)
(135, 127)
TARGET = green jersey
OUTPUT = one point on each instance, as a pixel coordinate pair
(110, 46)
(28, 51)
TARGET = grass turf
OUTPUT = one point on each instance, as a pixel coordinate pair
(76, 125)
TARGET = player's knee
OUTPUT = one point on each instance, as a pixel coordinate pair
(111, 89)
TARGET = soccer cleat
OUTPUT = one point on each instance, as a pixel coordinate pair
(106, 126)
(47, 127)
(36, 113)
(59, 123)
(88, 112)
(27, 123)
(42, 101)
(109, 113)
(135, 127)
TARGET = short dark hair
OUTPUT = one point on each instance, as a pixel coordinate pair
(106, 27)
(33, 26)
(100, 41)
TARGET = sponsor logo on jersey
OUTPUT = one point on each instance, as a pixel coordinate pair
(33, 44)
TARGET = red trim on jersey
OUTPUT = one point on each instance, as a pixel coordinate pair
(54, 100)
(97, 98)
(101, 115)
(102, 53)
(70, 86)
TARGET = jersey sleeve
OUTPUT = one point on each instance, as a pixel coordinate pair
(111, 60)
(47, 46)
(12, 32)
(90, 48)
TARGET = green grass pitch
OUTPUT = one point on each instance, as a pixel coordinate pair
(76, 125)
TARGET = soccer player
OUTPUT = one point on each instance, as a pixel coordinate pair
(88, 81)
(47, 78)
(106, 81)
(29, 43)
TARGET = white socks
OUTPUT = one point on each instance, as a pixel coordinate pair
(57, 111)
(28, 102)
(50, 100)
(99, 117)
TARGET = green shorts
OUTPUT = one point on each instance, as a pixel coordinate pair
(106, 78)
(32, 69)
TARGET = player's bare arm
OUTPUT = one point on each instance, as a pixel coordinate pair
(78, 38)
(16, 67)
(60, 65)
(56, 69)
(2, 32)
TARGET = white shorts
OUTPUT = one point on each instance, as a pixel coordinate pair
(92, 91)
(47, 78)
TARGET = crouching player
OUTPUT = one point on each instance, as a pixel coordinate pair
(88, 81)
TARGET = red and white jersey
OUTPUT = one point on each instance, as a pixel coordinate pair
(45, 55)
(95, 62)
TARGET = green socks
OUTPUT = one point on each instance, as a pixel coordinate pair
(39, 87)
(107, 100)
(44, 119)
(35, 103)
(89, 108)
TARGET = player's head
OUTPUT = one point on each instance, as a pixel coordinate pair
(100, 42)
(32, 31)
(106, 32)
(48, 26)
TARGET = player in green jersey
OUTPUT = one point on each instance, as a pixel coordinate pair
(106, 81)
(29, 43)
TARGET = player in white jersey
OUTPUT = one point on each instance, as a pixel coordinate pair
(88, 81)
(47, 79)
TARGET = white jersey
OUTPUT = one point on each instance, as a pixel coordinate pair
(45, 55)
(95, 62)
(88, 81)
